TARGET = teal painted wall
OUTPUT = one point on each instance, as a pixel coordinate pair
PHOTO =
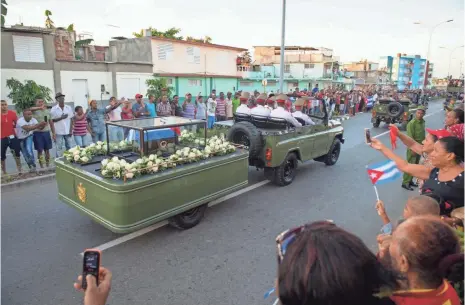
(224, 84)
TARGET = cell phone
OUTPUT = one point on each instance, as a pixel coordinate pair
(91, 265)
(45, 119)
(367, 136)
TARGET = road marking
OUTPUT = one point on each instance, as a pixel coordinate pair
(158, 225)
(386, 132)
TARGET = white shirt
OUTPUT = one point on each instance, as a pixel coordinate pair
(315, 103)
(375, 97)
(260, 110)
(62, 127)
(303, 116)
(243, 109)
(280, 113)
(20, 132)
(211, 107)
(115, 114)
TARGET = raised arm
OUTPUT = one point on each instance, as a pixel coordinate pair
(408, 141)
(416, 170)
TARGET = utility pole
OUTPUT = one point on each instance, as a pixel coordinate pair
(283, 30)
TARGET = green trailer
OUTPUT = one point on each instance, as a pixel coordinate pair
(180, 193)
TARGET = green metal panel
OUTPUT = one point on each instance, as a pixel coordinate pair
(211, 86)
(176, 84)
(224, 84)
(126, 207)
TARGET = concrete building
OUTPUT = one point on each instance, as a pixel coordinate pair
(188, 66)
(304, 67)
(51, 58)
(408, 71)
(365, 72)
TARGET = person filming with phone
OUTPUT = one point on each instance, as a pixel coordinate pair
(95, 294)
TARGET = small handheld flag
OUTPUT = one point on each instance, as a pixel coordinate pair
(393, 135)
(383, 172)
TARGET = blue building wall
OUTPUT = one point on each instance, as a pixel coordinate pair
(411, 69)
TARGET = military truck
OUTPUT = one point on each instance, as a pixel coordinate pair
(390, 111)
(277, 147)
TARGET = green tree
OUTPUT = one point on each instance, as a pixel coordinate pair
(24, 95)
(4, 11)
(171, 33)
(49, 24)
(156, 86)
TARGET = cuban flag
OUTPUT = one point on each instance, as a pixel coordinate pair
(383, 172)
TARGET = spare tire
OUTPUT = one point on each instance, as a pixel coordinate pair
(246, 134)
(395, 109)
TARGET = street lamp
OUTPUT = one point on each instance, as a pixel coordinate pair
(283, 30)
(450, 56)
(431, 34)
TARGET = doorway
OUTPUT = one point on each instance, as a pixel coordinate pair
(80, 95)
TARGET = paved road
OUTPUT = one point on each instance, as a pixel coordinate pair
(229, 258)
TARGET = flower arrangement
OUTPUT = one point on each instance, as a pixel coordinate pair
(78, 154)
(218, 146)
(187, 136)
(99, 148)
(121, 146)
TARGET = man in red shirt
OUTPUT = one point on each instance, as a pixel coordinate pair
(9, 138)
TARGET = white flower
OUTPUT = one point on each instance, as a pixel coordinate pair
(149, 164)
(76, 158)
(152, 157)
(117, 175)
(158, 161)
(197, 141)
(122, 143)
(76, 152)
(99, 143)
(122, 162)
(104, 172)
(139, 161)
(218, 142)
(104, 162)
(179, 153)
(117, 166)
(154, 169)
(73, 149)
(111, 165)
(92, 145)
(98, 147)
(191, 155)
(129, 175)
(217, 147)
(134, 165)
(85, 159)
(207, 150)
(127, 167)
(114, 159)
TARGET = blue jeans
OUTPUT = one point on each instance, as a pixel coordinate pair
(101, 136)
(211, 121)
(26, 149)
(65, 140)
(116, 134)
(81, 141)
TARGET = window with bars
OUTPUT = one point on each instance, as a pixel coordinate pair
(245, 84)
(309, 66)
(165, 51)
(194, 82)
(28, 49)
(169, 81)
(287, 68)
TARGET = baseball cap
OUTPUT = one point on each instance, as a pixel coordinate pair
(59, 94)
(138, 95)
(440, 133)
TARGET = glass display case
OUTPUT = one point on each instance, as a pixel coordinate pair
(161, 136)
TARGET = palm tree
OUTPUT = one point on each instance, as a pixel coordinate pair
(49, 24)
(208, 39)
(4, 11)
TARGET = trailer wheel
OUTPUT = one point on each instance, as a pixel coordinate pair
(188, 219)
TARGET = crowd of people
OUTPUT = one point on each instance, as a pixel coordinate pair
(41, 126)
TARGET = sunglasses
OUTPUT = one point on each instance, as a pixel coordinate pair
(283, 241)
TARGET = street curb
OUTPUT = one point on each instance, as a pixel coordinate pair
(30, 181)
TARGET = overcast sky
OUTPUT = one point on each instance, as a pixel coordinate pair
(355, 29)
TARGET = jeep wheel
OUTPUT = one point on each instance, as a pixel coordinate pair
(188, 219)
(395, 109)
(376, 124)
(333, 155)
(246, 134)
(285, 173)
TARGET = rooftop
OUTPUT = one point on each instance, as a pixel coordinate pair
(195, 43)
(294, 48)
(27, 29)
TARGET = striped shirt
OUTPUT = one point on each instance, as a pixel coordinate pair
(189, 111)
(221, 107)
(80, 127)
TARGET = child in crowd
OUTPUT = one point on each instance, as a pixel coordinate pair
(415, 206)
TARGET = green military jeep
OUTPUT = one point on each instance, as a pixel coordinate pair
(277, 147)
(391, 111)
